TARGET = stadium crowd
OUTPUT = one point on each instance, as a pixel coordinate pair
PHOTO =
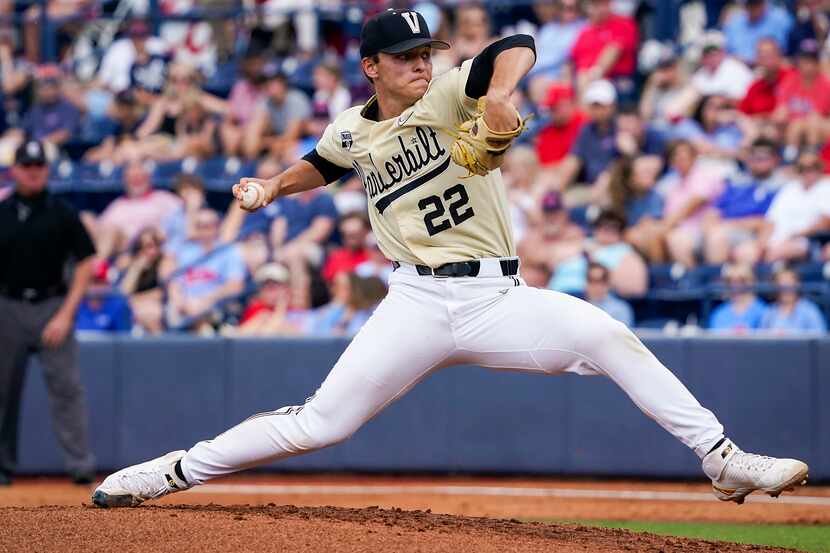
(675, 172)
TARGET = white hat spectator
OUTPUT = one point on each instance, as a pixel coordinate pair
(601, 92)
(272, 272)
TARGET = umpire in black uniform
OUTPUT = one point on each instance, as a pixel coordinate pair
(38, 235)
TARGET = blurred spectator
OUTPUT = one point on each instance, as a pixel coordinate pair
(183, 122)
(720, 74)
(376, 264)
(800, 210)
(762, 96)
(269, 313)
(141, 280)
(791, 312)
(52, 118)
(247, 93)
(758, 20)
(124, 116)
(632, 193)
(554, 238)
(115, 73)
(277, 123)
(690, 189)
(472, 31)
(555, 140)
(606, 48)
(523, 180)
(804, 103)
(561, 21)
(713, 129)
(663, 90)
(353, 301)
(141, 206)
(737, 218)
(330, 98)
(536, 275)
(811, 22)
(598, 293)
(15, 78)
(148, 72)
(204, 273)
(635, 136)
(628, 274)
(743, 311)
(179, 225)
(595, 146)
(103, 308)
(354, 228)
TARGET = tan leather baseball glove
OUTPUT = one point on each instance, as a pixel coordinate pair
(479, 149)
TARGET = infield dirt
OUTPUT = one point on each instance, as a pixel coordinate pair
(50, 515)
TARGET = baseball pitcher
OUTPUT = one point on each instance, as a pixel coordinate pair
(428, 152)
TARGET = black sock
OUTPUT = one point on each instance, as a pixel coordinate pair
(717, 445)
(178, 469)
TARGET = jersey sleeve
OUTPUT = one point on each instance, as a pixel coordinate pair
(453, 95)
(329, 156)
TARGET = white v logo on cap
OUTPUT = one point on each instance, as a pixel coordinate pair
(412, 20)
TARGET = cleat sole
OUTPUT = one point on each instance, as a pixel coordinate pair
(106, 500)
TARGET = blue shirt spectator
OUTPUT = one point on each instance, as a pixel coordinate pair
(595, 149)
(299, 212)
(54, 121)
(760, 19)
(726, 137)
(208, 270)
(804, 316)
(729, 317)
(746, 197)
(649, 204)
(106, 313)
(556, 36)
(617, 308)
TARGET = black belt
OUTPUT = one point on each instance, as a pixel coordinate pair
(32, 295)
(509, 267)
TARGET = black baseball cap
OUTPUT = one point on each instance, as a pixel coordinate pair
(396, 31)
(31, 152)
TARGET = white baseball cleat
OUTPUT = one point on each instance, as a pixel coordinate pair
(133, 485)
(735, 474)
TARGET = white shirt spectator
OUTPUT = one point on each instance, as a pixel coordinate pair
(795, 209)
(118, 60)
(731, 79)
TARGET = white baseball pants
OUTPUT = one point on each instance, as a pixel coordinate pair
(426, 323)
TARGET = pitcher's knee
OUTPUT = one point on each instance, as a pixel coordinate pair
(325, 434)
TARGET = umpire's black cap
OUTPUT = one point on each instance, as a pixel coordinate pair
(396, 31)
(31, 152)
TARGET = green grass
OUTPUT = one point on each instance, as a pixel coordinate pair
(803, 538)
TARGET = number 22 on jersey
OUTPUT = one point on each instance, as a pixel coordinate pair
(457, 199)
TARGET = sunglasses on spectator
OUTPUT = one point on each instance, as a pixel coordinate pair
(812, 167)
(597, 279)
(29, 164)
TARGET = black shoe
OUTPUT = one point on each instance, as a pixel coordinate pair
(5, 479)
(83, 478)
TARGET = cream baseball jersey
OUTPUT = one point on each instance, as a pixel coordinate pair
(423, 208)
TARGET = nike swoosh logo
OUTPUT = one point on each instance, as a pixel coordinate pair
(402, 119)
(502, 292)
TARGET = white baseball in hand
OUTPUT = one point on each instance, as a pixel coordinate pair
(253, 195)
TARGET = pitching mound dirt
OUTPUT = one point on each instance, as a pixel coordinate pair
(208, 528)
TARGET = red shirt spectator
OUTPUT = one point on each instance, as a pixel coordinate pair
(554, 141)
(801, 98)
(354, 230)
(604, 30)
(762, 96)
